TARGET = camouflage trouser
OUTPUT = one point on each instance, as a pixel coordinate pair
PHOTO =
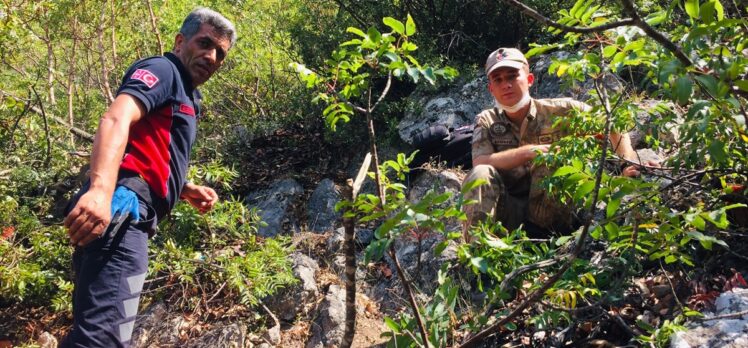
(494, 199)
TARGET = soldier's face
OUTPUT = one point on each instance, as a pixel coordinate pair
(508, 85)
(203, 53)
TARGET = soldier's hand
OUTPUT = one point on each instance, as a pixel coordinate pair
(635, 170)
(532, 150)
(89, 218)
(203, 198)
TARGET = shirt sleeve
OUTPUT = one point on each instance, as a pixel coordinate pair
(151, 81)
(481, 141)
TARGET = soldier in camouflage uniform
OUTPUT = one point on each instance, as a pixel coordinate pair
(506, 140)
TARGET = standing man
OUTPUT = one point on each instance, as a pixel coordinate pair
(507, 139)
(138, 172)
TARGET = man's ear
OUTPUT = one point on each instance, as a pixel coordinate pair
(178, 40)
(530, 79)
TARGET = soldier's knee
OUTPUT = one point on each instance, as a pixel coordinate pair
(485, 172)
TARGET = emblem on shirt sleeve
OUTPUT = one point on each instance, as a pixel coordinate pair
(146, 76)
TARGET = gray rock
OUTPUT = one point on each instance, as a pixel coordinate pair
(273, 335)
(653, 119)
(274, 206)
(328, 329)
(288, 302)
(46, 340)
(438, 181)
(362, 237)
(157, 327)
(229, 336)
(320, 209)
(728, 332)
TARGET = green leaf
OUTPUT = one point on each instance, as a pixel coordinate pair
(670, 259)
(717, 151)
(612, 207)
(609, 51)
(440, 247)
(414, 74)
(707, 12)
(374, 35)
(613, 230)
(467, 187)
(410, 26)
(719, 9)
(479, 263)
(428, 74)
(742, 84)
(539, 49)
(391, 324)
(682, 90)
(395, 24)
(709, 83)
(356, 31)
(692, 8)
(497, 243)
(565, 170)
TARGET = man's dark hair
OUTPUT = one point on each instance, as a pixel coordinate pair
(201, 15)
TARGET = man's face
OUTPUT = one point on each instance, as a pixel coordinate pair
(508, 84)
(203, 53)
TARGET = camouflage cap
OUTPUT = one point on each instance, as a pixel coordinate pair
(505, 57)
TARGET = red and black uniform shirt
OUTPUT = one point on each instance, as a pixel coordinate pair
(158, 148)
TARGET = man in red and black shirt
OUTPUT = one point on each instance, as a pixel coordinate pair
(138, 172)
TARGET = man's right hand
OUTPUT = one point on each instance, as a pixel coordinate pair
(89, 218)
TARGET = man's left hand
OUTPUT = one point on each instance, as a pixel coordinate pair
(203, 198)
(635, 170)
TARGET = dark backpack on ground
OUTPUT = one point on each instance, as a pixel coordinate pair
(450, 145)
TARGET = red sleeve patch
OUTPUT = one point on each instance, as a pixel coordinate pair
(146, 76)
(186, 109)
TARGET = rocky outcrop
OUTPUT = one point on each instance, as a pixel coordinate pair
(288, 302)
(274, 205)
(731, 332)
(321, 214)
(455, 107)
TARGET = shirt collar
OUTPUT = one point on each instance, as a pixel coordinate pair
(185, 75)
(533, 112)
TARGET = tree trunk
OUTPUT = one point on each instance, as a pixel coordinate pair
(350, 269)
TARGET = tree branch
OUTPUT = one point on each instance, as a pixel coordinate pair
(628, 6)
(411, 297)
(76, 131)
(544, 20)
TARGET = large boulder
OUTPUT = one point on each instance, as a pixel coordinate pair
(328, 329)
(274, 205)
(320, 209)
(731, 332)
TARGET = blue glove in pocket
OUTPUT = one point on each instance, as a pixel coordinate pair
(125, 202)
